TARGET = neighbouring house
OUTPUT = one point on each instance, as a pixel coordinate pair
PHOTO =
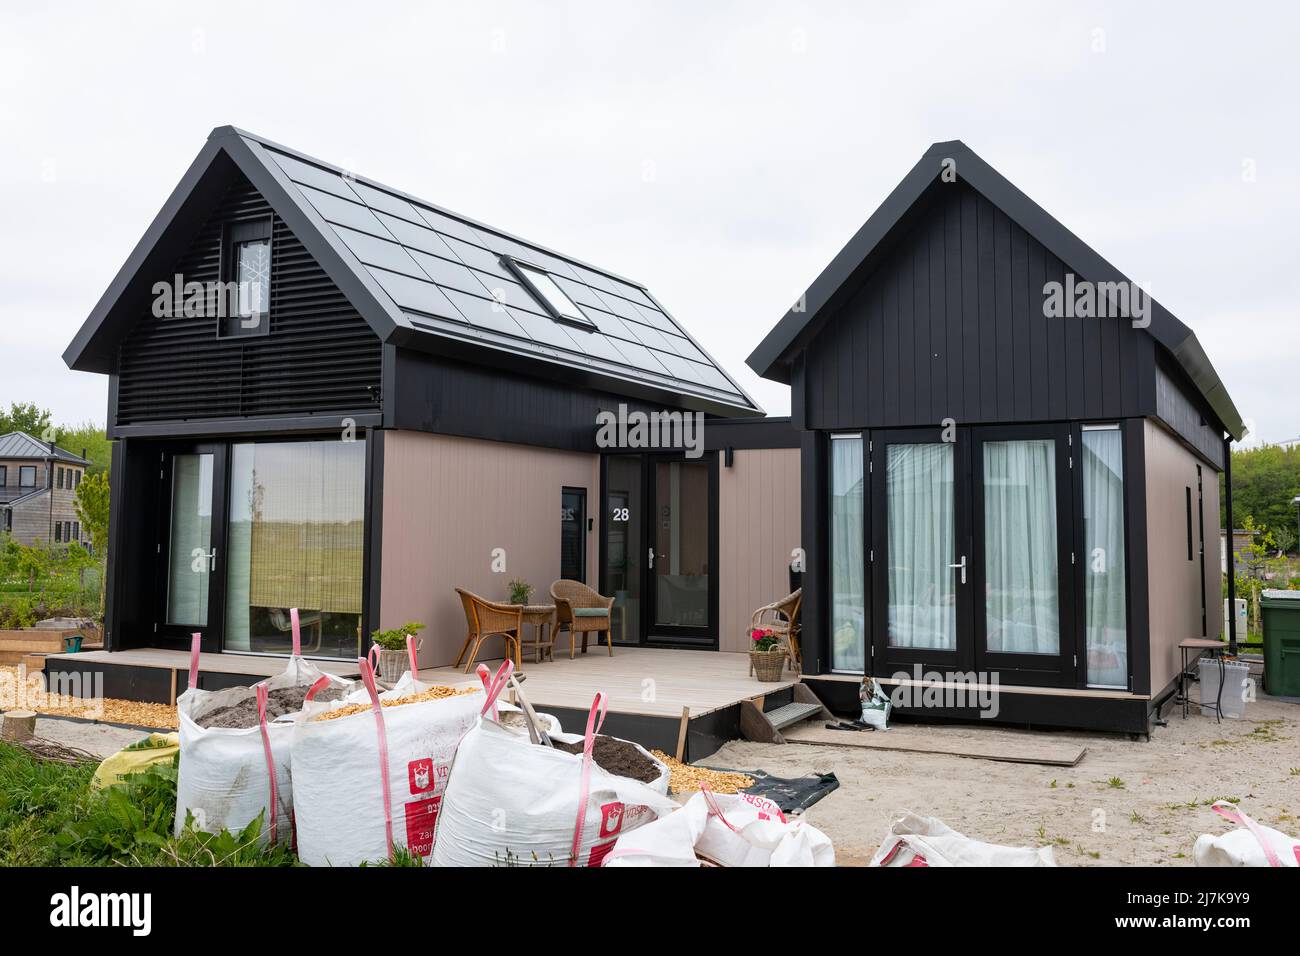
(1242, 540)
(1009, 460)
(331, 395)
(38, 490)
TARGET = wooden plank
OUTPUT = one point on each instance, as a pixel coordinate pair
(681, 733)
(984, 744)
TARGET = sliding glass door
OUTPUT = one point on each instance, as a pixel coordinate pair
(190, 551)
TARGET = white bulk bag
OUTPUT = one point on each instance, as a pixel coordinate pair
(512, 802)
(224, 780)
(915, 840)
(740, 829)
(1250, 845)
(373, 781)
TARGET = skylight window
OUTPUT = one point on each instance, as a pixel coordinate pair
(547, 291)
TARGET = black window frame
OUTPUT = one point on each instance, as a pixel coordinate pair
(26, 468)
(4, 475)
(581, 520)
(230, 322)
(60, 479)
(58, 532)
(521, 269)
(76, 531)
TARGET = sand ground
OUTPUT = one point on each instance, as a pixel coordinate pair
(1126, 803)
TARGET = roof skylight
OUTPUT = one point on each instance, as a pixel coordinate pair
(544, 288)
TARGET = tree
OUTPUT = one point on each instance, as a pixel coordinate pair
(1264, 481)
(92, 509)
(91, 437)
(25, 417)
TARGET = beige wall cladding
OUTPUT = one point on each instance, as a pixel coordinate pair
(1174, 583)
(758, 528)
(447, 502)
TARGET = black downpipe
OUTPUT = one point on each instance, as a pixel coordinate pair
(1232, 550)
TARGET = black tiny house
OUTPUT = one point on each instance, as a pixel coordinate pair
(1009, 458)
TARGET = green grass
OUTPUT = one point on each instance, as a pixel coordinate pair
(49, 816)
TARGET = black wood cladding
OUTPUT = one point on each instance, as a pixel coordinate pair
(320, 355)
(951, 325)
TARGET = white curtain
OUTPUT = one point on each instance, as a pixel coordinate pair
(1104, 591)
(191, 534)
(1021, 599)
(848, 570)
(922, 588)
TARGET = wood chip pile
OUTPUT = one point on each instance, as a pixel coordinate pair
(437, 692)
(683, 778)
(109, 710)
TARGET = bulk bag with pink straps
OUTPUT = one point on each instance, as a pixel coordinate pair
(229, 775)
(1251, 844)
(372, 782)
(510, 801)
(738, 829)
(914, 840)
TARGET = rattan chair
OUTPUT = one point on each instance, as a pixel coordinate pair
(783, 618)
(486, 619)
(569, 595)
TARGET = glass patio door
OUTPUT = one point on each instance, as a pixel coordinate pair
(921, 551)
(679, 553)
(190, 547)
(1023, 533)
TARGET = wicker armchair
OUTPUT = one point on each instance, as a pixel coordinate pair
(574, 595)
(484, 619)
(783, 618)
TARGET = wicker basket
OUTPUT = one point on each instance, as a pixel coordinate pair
(767, 665)
(392, 664)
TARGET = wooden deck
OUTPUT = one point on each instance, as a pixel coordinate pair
(253, 665)
(636, 681)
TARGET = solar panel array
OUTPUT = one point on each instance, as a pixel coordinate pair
(447, 277)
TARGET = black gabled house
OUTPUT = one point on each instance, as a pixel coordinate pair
(1010, 457)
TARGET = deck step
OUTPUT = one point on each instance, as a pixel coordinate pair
(792, 714)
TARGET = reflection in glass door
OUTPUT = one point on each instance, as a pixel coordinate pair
(679, 556)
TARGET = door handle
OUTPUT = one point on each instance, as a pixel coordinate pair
(652, 559)
(961, 564)
(212, 560)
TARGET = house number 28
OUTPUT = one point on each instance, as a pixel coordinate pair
(620, 514)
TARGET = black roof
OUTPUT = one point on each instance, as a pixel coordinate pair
(856, 261)
(428, 278)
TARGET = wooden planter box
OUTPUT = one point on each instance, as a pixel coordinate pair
(16, 643)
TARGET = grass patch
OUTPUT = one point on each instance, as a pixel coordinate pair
(49, 816)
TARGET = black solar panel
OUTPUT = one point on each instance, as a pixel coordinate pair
(447, 278)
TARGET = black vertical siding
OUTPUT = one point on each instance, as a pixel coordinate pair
(319, 357)
(951, 325)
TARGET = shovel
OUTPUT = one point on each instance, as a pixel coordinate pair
(535, 733)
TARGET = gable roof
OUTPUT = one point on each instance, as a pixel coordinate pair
(858, 259)
(23, 445)
(426, 278)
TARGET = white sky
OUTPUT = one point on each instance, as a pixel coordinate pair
(721, 153)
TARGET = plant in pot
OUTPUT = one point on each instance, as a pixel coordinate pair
(390, 648)
(520, 591)
(766, 654)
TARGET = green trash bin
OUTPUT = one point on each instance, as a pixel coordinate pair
(1280, 611)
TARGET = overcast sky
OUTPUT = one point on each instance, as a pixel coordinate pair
(721, 153)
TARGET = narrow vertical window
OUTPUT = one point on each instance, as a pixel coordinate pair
(246, 270)
(1189, 523)
(1105, 596)
(847, 564)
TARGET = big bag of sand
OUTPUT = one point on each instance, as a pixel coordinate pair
(370, 772)
(510, 802)
(235, 753)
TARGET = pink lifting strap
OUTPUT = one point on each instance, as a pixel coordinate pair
(410, 653)
(316, 688)
(262, 690)
(196, 640)
(368, 677)
(595, 719)
(297, 632)
(1229, 812)
(494, 687)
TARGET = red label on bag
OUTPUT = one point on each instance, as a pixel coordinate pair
(599, 852)
(424, 777)
(611, 820)
(421, 817)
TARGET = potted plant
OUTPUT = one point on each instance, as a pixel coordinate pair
(392, 649)
(766, 654)
(520, 591)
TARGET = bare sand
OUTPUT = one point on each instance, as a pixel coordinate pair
(1126, 803)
